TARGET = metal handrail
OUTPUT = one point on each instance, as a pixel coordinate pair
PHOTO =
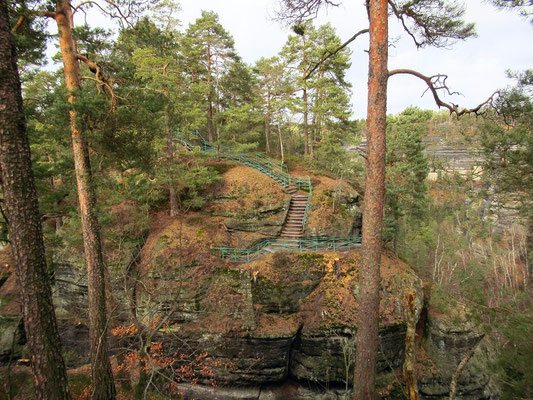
(307, 206)
(302, 244)
(267, 166)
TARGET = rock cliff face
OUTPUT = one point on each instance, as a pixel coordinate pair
(447, 344)
(280, 327)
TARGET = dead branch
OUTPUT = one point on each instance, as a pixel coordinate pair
(114, 10)
(101, 79)
(438, 82)
(296, 11)
(328, 54)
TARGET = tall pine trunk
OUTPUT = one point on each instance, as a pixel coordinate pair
(268, 118)
(306, 122)
(25, 231)
(170, 161)
(210, 135)
(305, 99)
(368, 296)
(102, 377)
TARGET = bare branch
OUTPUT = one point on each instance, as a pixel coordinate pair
(18, 24)
(114, 11)
(438, 82)
(296, 11)
(100, 78)
(328, 54)
(121, 15)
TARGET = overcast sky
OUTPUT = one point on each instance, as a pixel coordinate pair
(475, 67)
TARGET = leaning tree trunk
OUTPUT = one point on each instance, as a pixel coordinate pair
(25, 231)
(102, 377)
(368, 314)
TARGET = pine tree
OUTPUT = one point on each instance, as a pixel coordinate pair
(298, 57)
(159, 68)
(274, 90)
(406, 171)
(324, 100)
(25, 231)
(209, 53)
(427, 22)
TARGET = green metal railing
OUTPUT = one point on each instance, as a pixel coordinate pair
(307, 205)
(272, 168)
(206, 146)
(275, 170)
(299, 245)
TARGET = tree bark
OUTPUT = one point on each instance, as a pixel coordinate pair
(281, 142)
(209, 97)
(409, 374)
(305, 101)
(368, 314)
(267, 123)
(102, 376)
(25, 231)
(306, 122)
(460, 368)
(170, 160)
